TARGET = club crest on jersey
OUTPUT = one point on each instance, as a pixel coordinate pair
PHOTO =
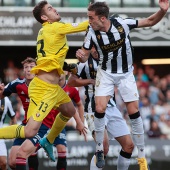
(120, 29)
(38, 114)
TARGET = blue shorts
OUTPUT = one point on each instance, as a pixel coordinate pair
(61, 139)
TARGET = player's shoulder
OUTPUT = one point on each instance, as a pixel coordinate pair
(18, 81)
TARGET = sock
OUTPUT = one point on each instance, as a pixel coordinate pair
(93, 164)
(62, 161)
(99, 123)
(14, 131)
(20, 163)
(58, 126)
(138, 133)
(123, 160)
(33, 162)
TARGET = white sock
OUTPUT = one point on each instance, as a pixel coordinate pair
(99, 124)
(123, 163)
(93, 164)
(138, 136)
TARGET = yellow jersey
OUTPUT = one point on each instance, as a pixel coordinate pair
(52, 46)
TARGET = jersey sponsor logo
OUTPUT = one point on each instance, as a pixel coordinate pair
(22, 92)
(35, 140)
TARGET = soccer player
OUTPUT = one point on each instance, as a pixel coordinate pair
(20, 86)
(44, 91)
(115, 124)
(26, 148)
(111, 40)
(5, 108)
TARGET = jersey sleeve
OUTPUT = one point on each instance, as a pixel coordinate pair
(9, 89)
(88, 42)
(69, 28)
(131, 22)
(9, 107)
(76, 96)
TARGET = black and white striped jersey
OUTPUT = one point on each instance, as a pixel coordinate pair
(88, 70)
(114, 47)
(5, 108)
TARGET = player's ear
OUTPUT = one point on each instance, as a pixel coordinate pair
(44, 17)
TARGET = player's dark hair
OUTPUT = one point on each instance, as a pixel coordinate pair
(100, 9)
(38, 11)
(28, 60)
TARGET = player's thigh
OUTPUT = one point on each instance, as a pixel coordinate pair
(104, 84)
(127, 88)
(67, 109)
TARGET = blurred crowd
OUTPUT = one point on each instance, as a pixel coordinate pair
(154, 103)
(154, 100)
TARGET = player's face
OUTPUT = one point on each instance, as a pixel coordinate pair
(27, 68)
(95, 21)
(50, 14)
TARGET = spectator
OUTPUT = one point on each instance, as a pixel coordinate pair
(154, 131)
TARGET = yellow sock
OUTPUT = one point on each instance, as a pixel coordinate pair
(58, 126)
(11, 132)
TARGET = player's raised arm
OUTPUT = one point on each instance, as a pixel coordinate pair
(156, 17)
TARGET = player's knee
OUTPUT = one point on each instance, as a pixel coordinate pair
(129, 147)
(100, 109)
(3, 164)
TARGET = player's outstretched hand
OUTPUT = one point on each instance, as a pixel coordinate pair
(82, 130)
(164, 4)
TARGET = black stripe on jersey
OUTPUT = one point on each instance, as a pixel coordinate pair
(105, 54)
(91, 67)
(34, 102)
(92, 71)
(60, 49)
(114, 59)
(121, 32)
